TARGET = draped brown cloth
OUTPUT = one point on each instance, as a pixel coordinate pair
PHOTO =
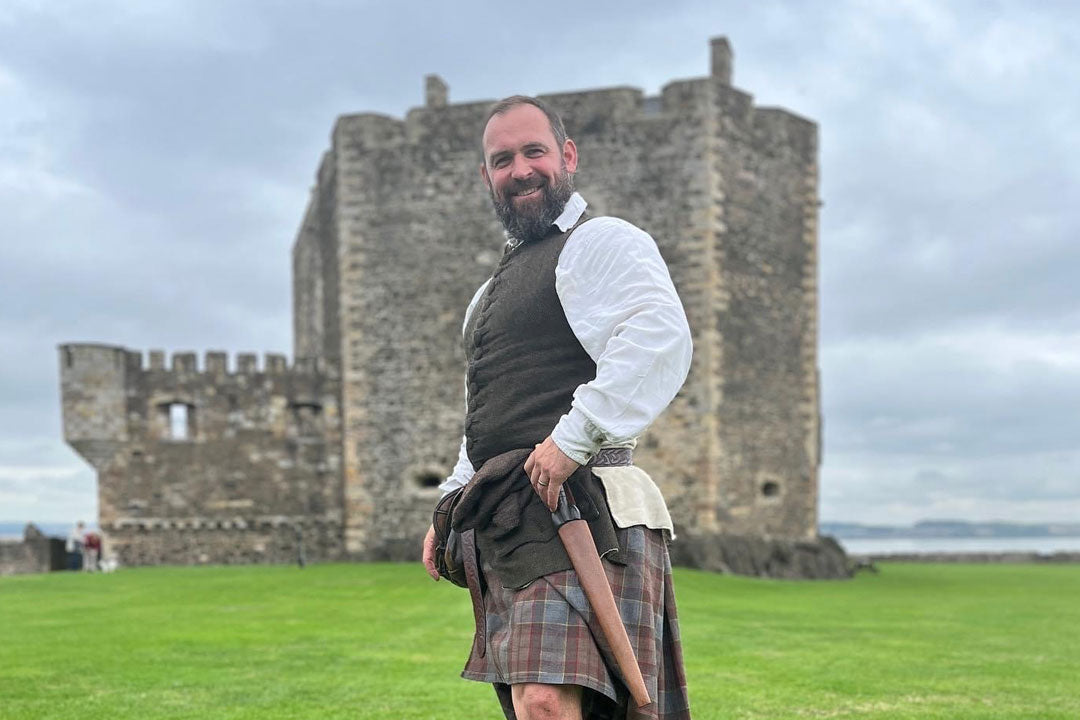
(514, 531)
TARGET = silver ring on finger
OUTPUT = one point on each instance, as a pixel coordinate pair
(542, 484)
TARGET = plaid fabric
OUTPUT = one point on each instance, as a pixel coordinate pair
(547, 633)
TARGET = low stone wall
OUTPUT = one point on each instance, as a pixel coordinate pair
(971, 557)
(35, 553)
(820, 559)
(224, 544)
(17, 557)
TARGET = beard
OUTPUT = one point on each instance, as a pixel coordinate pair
(533, 222)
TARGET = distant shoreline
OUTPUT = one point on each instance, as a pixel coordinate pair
(950, 529)
(986, 558)
(14, 530)
(883, 547)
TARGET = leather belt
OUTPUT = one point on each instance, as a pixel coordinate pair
(612, 457)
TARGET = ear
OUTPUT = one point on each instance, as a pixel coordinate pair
(569, 155)
(484, 175)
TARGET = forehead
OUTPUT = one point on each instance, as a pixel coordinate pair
(518, 126)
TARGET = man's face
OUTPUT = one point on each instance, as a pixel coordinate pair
(526, 172)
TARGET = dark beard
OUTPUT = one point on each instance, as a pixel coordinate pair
(535, 225)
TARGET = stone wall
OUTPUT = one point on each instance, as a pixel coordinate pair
(316, 276)
(35, 553)
(208, 464)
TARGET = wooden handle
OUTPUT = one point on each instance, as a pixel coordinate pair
(579, 544)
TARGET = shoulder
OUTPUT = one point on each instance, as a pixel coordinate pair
(606, 234)
(605, 237)
(606, 227)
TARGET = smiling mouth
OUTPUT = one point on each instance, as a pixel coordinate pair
(527, 192)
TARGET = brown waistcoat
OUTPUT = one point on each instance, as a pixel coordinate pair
(524, 361)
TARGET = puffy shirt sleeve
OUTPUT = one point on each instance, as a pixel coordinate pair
(619, 300)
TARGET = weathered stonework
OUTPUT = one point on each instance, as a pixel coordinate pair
(253, 466)
(398, 234)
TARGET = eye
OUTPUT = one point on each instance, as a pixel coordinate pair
(534, 152)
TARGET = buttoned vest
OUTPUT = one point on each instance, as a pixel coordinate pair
(524, 361)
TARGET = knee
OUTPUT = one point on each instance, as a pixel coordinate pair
(549, 702)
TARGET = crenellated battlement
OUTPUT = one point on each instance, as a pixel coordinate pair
(78, 357)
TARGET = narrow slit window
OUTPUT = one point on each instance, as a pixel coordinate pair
(178, 422)
(428, 480)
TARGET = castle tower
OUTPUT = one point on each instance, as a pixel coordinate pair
(399, 233)
(93, 382)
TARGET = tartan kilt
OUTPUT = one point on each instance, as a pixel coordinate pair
(547, 633)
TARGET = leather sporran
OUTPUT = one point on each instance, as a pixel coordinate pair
(449, 550)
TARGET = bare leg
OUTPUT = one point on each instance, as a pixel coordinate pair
(533, 701)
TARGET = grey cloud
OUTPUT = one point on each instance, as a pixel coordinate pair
(902, 489)
(944, 399)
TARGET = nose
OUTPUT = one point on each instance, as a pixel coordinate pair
(521, 168)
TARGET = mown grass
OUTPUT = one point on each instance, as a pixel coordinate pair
(383, 641)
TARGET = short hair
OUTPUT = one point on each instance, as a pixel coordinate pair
(509, 103)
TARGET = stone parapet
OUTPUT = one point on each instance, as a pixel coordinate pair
(282, 540)
(35, 553)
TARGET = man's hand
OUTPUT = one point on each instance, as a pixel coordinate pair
(548, 467)
(429, 554)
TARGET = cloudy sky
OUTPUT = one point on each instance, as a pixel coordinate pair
(155, 159)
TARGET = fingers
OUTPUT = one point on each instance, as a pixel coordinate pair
(542, 483)
(429, 565)
(429, 554)
(546, 473)
(547, 488)
(542, 477)
(551, 496)
(533, 468)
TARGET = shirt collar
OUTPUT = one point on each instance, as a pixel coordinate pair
(571, 213)
(575, 206)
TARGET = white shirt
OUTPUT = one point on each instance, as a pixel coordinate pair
(620, 303)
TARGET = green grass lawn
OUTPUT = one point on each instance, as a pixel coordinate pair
(383, 641)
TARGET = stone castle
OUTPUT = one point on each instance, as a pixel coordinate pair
(343, 449)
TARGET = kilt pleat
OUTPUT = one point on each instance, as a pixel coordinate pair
(547, 633)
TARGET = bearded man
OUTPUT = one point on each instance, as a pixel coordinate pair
(574, 346)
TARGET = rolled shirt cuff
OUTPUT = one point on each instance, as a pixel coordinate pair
(577, 437)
